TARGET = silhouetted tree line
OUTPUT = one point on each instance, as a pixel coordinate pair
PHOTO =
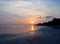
(54, 22)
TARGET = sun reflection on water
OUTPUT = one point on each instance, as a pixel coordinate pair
(27, 31)
(32, 32)
(32, 27)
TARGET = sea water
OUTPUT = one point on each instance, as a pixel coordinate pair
(29, 34)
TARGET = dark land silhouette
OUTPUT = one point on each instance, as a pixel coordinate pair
(54, 22)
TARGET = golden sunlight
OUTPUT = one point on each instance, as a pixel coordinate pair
(32, 22)
(32, 27)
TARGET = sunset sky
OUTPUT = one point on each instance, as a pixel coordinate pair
(25, 11)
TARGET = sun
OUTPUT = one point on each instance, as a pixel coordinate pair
(32, 22)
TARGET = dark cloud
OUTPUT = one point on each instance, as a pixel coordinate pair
(48, 16)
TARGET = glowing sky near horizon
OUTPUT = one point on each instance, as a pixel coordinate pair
(21, 11)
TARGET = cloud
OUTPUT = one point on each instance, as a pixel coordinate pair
(48, 16)
(20, 9)
(24, 8)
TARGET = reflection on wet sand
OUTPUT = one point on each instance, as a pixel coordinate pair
(32, 27)
(32, 31)
(30, 35)
(20, 32)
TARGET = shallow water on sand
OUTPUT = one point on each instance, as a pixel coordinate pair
(29, 34)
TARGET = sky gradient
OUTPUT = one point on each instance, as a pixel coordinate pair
(24, 11)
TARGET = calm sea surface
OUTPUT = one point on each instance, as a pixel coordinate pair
(29, 34)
